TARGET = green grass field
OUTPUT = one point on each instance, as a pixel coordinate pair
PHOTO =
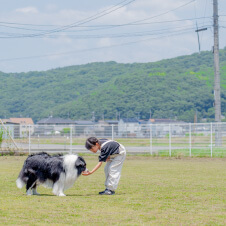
(152, 191)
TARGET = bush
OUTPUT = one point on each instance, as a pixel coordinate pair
(1, 137)
(66, 130)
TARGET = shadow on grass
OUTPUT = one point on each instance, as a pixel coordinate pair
(75, 195)
(96, 194)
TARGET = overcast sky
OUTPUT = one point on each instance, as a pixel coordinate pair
(39, 35)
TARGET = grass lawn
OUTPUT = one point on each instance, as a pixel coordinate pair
(152, 191)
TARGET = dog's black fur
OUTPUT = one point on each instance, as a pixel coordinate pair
(58, 172)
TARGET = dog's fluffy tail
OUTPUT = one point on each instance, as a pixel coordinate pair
(19, 183)
(22, 178)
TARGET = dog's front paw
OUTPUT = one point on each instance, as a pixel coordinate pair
(61, 194)
(35, 193)
(29, 192)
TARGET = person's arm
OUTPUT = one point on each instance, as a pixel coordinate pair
(86, 173)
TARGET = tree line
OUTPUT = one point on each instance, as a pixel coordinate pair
(175, 88)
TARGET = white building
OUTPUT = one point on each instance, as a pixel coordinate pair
(129, 127)
(26, 125)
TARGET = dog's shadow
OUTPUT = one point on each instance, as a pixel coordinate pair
(75, 195)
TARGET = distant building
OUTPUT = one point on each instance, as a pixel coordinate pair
(48, 126)
(112, 122)
(145, 128)
(84, 122)
(113, 127)
(84, 128)
(162, 127)
(165, 121)
(132, 127)
(26, 125)
(55, 121)
(129, 127)
(106, 128)
(12, 128)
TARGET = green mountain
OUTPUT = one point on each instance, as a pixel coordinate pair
(178, 87)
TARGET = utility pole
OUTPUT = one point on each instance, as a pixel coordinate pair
(217, 98)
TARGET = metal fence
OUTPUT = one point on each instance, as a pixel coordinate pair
(201, 139)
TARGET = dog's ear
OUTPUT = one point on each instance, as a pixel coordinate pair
(80, 162)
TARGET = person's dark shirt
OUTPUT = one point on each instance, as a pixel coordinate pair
(111, 148)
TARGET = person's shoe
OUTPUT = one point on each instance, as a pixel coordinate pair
(102, 192)
(107, 192)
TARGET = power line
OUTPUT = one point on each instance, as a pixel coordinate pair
(96, 48)
(159, 32)
(204, 18)
(88, 26)
(34, 25)
(6, 35)
(20, 28)
(65, 26)
(85, 21)
(118, 35)
(108, 25)
(129, 35)
(161, 14)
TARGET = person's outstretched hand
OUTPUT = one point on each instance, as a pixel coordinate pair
(86, 173)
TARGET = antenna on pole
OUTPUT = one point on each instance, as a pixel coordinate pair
(198, 30)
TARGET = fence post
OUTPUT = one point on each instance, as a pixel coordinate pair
(112, 132)
(169, 140)
(190, 139)
(38, 141)
(211, 139)
(29, 138)
(70, 139)
(150, 138)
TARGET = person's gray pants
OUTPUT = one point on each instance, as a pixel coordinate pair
(113, 169)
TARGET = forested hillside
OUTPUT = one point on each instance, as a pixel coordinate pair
(173, 88)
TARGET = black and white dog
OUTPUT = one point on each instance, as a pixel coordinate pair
(58, 172)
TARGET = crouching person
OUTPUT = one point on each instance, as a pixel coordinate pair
(114, 154)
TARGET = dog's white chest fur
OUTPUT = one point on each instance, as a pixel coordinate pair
(71, 173)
